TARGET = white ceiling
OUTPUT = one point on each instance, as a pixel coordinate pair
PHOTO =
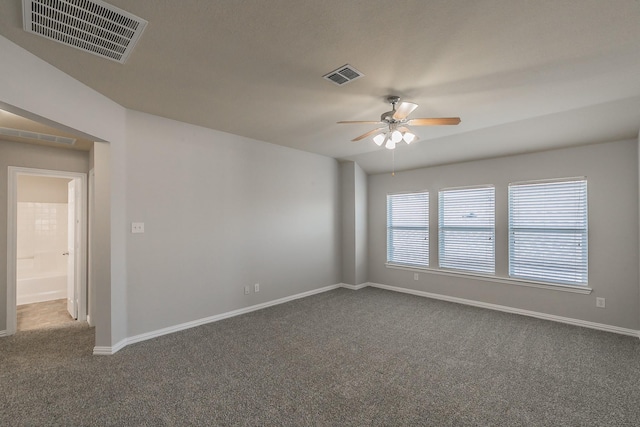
(523, 75)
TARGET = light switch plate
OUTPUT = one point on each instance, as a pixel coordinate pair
(137, 227)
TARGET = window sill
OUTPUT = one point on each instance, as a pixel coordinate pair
(494, 279)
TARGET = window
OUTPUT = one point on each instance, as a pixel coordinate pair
(408, 229)
(466, 225)
(548, 231)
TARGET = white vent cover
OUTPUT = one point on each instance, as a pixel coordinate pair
(90, 25)
(35, 135)
(343, 75)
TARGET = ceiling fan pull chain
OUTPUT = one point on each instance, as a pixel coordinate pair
(393, 162)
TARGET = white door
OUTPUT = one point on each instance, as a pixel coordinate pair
(72, 220)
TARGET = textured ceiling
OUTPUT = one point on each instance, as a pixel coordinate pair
(523, 75)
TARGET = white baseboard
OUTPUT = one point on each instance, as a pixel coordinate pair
(3, 334)
(354, 287)
(106, 351)
(102, 351)
(506, 309)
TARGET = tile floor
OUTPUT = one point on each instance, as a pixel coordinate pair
(42, 315)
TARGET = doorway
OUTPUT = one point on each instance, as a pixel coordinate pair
(54, 269)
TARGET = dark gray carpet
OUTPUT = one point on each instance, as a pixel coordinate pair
(348, 358)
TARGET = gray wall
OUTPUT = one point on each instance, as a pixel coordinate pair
(222, 212)
(353, 187)
(34, 89)
(348, 226)
(30, 156)
(195, 189)
(361, 224)
(280, 208)
(100, 300)
(612, 173)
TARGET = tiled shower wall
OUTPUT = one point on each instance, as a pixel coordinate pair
(42, 239)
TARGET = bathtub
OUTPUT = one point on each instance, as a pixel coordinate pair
(35, 285)
(39, 289)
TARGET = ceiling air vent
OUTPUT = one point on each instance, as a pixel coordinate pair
(343, 75)
(90, 25)
(38, 136)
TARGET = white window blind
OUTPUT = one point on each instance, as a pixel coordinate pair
(408, 229)
(548, 231)
(466, 225)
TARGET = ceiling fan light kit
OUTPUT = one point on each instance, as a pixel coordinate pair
(395, 124)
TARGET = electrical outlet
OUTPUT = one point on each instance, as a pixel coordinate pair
(137, 227)
(416, 276)
(247, 290)
(256, 287)
(600, 302)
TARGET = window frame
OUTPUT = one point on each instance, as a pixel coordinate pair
(546, 277)
(397, 260)
(485, 265)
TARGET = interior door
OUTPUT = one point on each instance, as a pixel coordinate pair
(72, 220)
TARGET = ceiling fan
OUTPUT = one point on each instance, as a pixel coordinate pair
(394, 124)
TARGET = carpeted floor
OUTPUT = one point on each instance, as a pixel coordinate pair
(341, 358)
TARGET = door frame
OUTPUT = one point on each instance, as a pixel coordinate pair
(12, 238)
(90, 214)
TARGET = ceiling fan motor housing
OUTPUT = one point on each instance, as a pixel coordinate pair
(393, 100)
(388, 116)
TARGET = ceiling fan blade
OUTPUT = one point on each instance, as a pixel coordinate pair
(404, 109)
(364, 135)
(365, 122)
(434, 121)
